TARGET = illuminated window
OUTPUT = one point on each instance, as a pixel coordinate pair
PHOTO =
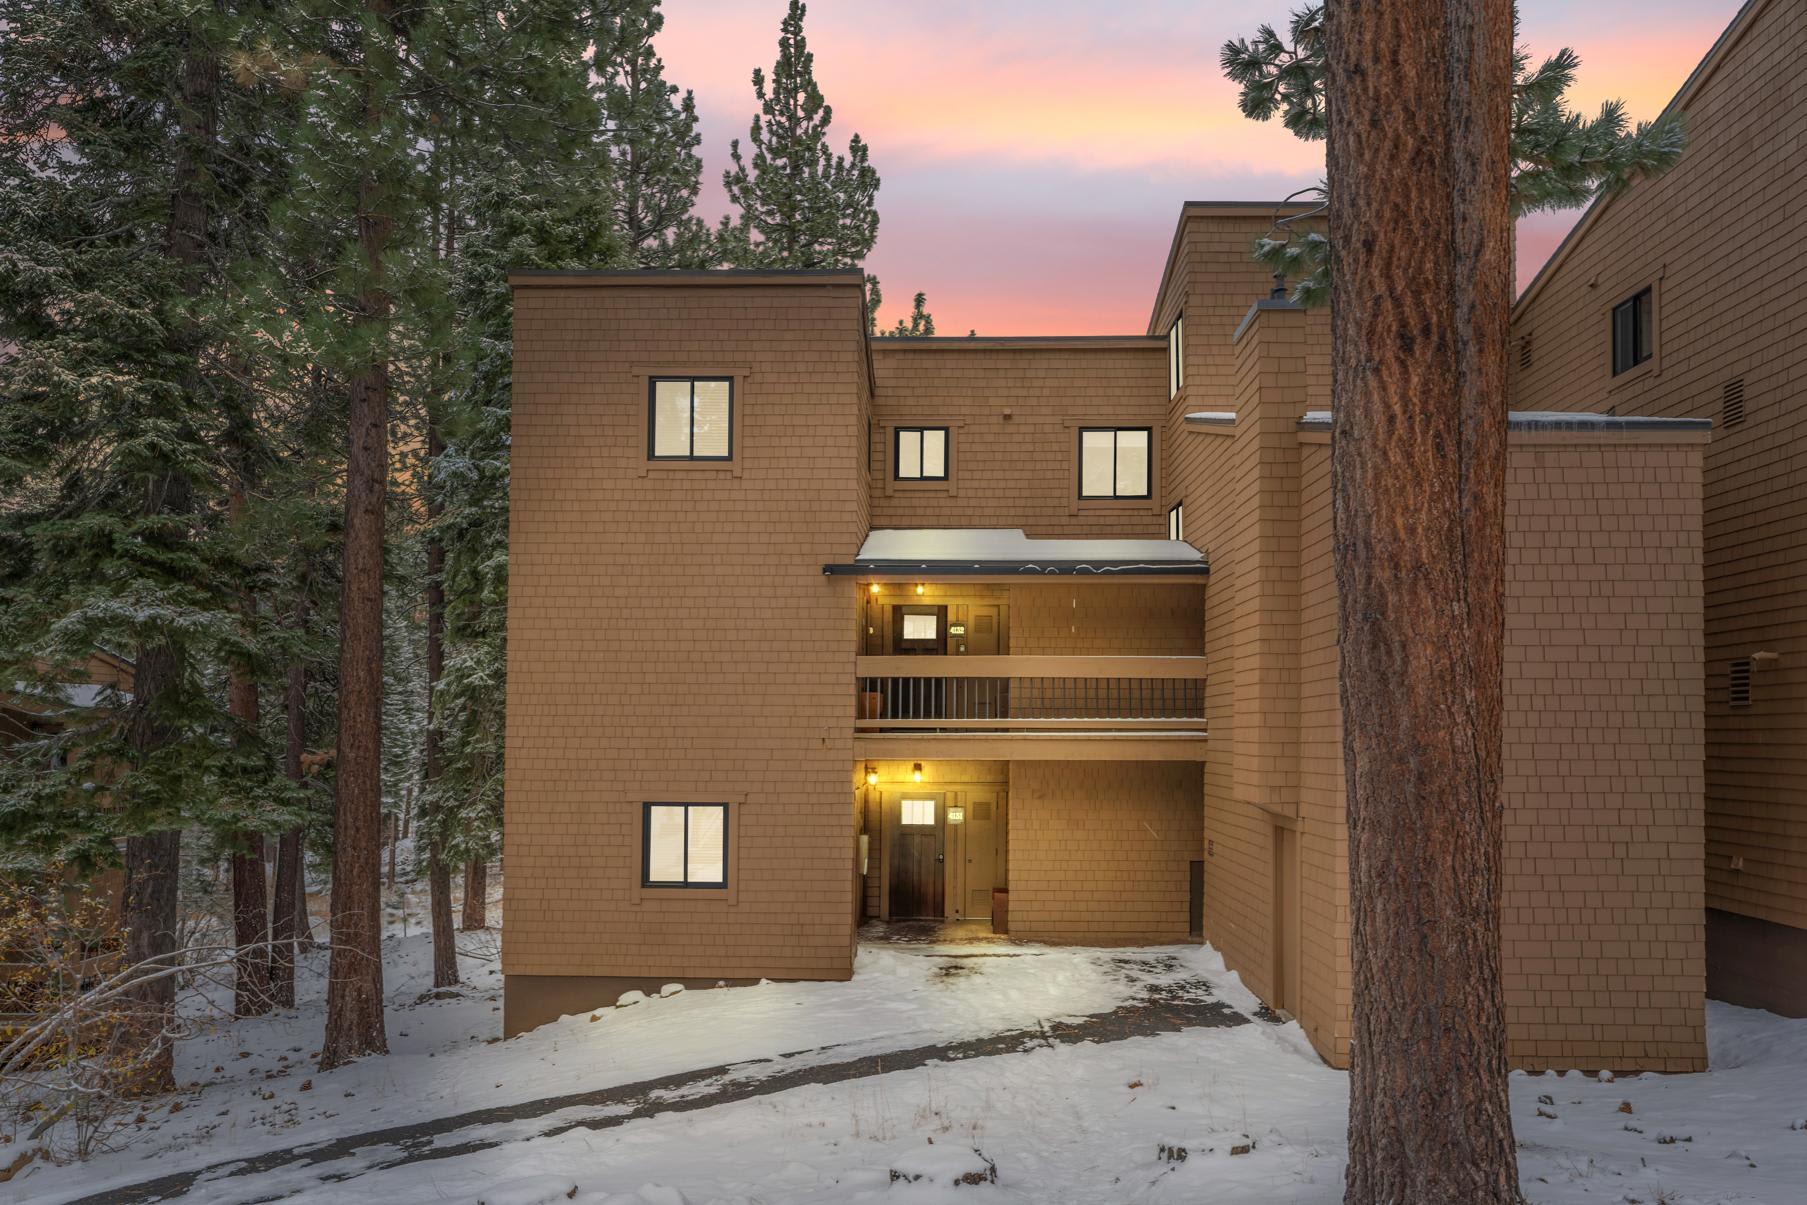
(691, 418)
(917, 811)
(686, 845)
(921, 454)
(919, 627)
(1114, 462)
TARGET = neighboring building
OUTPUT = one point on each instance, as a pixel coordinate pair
(1661, 302)
(807, 628)
(31, 713)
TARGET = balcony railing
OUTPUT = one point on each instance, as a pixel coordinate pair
(1029, 693)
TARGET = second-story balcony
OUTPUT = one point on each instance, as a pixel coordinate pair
(1000, 694)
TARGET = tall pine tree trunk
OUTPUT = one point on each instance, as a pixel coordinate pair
(476, 894)
(250, 898)
(439, 875)
(153, 859)
(153, 863)
(291, 891)
(354, 993)
(1420, 98)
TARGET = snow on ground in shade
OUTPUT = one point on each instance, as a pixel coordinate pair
(442, 1060)
(1065, 1124)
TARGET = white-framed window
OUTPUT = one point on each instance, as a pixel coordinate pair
(690, 418)
(686, 845)
(1176, 521)
(920, 626)
(916, 811)
(920, 454)
(1115, 462)
(1176, 357)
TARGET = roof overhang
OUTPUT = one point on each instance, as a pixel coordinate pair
(1006, 554)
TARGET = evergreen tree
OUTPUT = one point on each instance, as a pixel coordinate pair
(801, 204)
(132, 182)
(921, 323)
(652, 139)
(1561, 159)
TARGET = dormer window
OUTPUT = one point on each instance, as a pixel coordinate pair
(690, 418)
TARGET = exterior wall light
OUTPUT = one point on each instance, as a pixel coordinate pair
(873, 587)
(871, 775)
(919, 587)
(916, 772)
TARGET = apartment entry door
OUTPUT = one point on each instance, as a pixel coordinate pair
(918, 857)
(975, 852)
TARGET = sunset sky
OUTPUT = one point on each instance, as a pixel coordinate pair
(1035, 152)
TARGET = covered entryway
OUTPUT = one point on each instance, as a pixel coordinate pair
(934, 849)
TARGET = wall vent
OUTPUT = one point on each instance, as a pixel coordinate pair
(1524, 353)
(1731, 410)
(1740, 692)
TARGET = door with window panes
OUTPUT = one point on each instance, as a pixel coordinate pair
(917, 861)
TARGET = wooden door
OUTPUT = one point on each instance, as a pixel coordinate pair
(980, 848)
(916, 858)
(983, 630)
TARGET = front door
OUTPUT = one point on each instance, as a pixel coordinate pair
(916, 859)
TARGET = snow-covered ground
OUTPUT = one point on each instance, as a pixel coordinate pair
(1258, 1117)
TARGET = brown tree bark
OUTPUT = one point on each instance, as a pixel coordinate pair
(354, 991)
(250, 897)
(289, 908)
(476, 894)
(1421, 233)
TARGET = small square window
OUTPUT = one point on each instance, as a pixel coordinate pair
(686, 845)
(919, 627)
(1176, 521)
(690, 418)
(1633, 336)
(917, 811)
(1114, 462)
(921, 454)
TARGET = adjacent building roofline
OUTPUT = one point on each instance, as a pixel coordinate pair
(1212, 209)
(1561, 420)
(598, 278)
(1697, 79)
(1020, 342)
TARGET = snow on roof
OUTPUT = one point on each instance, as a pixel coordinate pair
(1211, 416)
(1009, 548)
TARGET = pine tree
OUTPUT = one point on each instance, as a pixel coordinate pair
(652, 140)
(801, 204)
(1561, 159)
(132, 183)
(1421, 296)
(921, 323)
(549, 216)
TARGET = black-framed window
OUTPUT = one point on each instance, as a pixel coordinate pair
(1633, 333)
(1176, 357)
(1116, 462)
(684, 845)
(1176, 521)
(690, 418)
(919, 454)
